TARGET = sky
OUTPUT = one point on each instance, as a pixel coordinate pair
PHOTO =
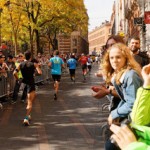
(98, 11)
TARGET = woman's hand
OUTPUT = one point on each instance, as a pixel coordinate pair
(95, 88)
(146, 75)
(101, 91)
(122, 135)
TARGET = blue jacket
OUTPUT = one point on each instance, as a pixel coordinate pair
(127, 92)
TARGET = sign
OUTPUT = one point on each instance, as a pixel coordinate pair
(138, 21)
(147, 17)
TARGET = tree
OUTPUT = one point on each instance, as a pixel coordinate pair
(30, 20)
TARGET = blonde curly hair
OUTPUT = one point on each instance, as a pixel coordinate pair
(107, 69)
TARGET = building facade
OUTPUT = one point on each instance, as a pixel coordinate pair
(73, 43)
(129, 20)
(97, 38)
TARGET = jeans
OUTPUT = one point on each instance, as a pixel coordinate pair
(110, 146)
(16, 90)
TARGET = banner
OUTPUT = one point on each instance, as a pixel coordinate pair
(147, 17)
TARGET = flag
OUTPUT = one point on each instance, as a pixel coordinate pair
(147, 17)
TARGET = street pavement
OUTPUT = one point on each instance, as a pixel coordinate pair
(73, 122)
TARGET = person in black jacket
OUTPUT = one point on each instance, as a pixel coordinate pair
(140, 56)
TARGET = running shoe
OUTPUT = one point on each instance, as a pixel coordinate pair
(55, 96)
(26, 122)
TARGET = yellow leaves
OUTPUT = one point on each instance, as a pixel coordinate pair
(67, 15)
(2, 2)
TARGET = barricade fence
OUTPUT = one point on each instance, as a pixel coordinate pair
(7, 83)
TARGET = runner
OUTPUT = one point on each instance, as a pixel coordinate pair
(72, 64)
(56, 64)
(89, 64)
(27, 69)
(83, 60)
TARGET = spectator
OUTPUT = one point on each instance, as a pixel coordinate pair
(18, 83)
(3, 66)
(140, 56)
(110, 41)
(1, 52)
(10, 63)
(138, 138)
(120, 69)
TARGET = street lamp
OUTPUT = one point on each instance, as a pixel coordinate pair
(0, 26)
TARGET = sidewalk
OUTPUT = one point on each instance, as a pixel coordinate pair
(70, 123)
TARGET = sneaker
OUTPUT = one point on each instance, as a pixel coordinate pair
(55, 96)
(26, 122)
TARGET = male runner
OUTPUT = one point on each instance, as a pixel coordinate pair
(83, 60)
(28, 69)
(72, 64)
(56, 64)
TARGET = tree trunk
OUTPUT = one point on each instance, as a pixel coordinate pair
(15, 40)
(31, 34)
(38, 42)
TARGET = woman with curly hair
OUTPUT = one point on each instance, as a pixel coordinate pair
(124, 73)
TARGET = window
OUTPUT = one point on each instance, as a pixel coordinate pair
(74, 42)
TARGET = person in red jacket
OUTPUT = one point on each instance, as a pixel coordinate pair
(83, 60)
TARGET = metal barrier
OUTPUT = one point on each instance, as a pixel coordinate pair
(7, 83)
(3, 86)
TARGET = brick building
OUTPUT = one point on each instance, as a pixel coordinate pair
(97, 38)
(73, 43)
